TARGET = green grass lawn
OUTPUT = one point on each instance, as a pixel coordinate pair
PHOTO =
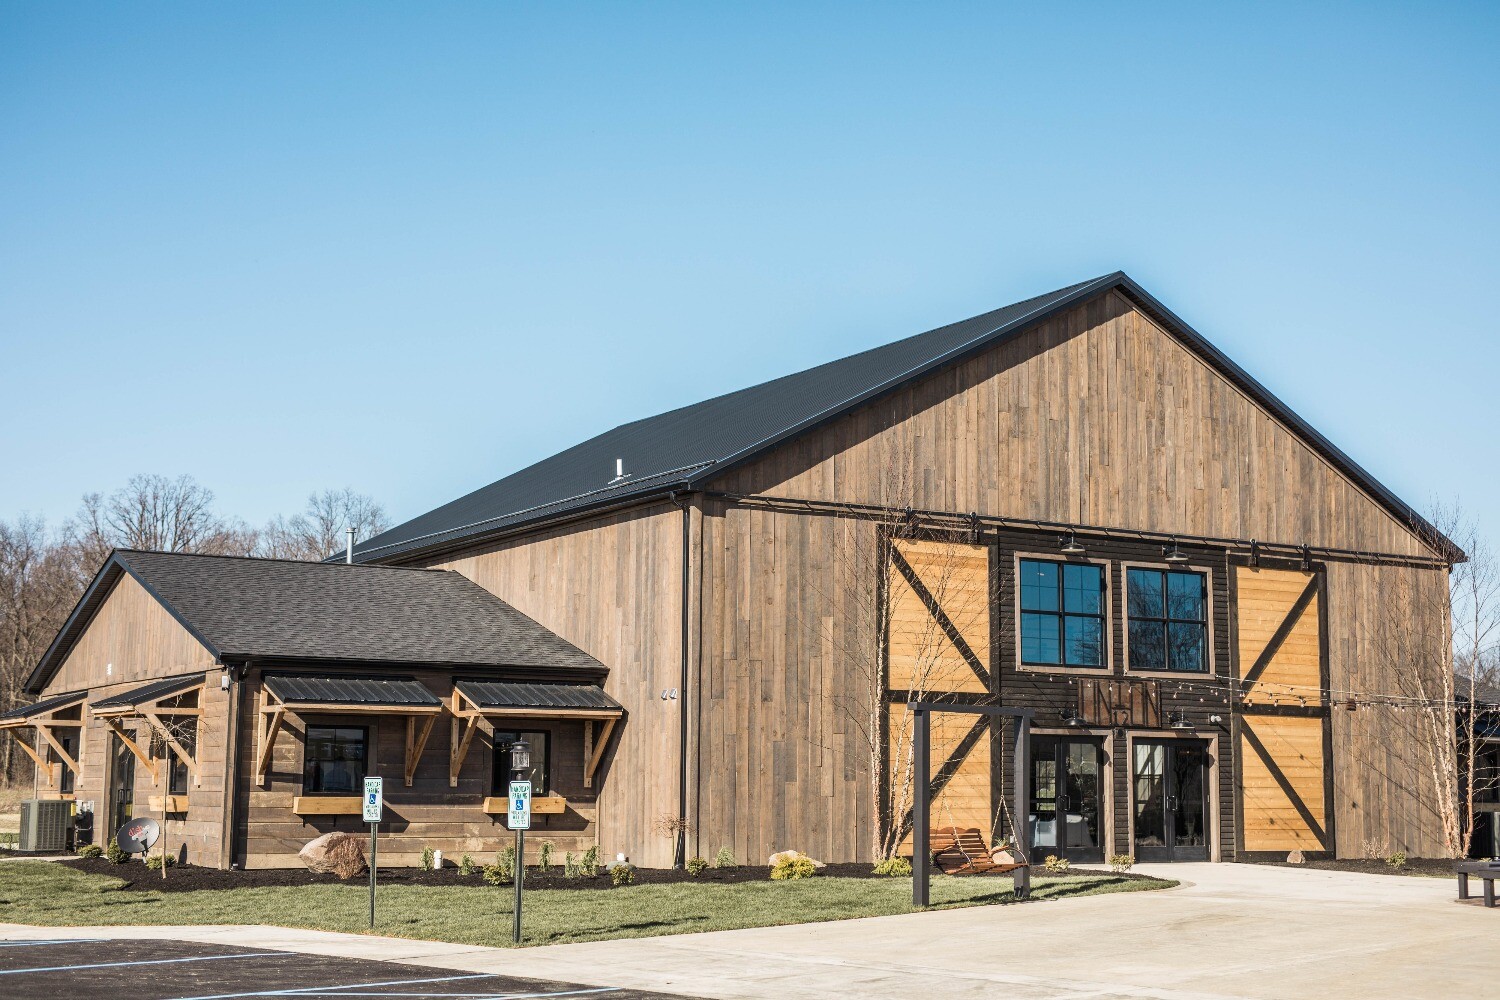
(41, 893)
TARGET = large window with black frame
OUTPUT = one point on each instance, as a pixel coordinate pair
(1167, 611)
(334, 760)
(540, 774)
(1062, 613)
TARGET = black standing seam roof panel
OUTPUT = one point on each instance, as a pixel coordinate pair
(685, 448)
(43, 706)
(351, 690)
(151, 692)
(521, 694)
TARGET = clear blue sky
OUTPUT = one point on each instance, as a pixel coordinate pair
(410, 248)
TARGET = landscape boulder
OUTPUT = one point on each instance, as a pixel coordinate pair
(781, 856)
(1296, 858)
(342, 854)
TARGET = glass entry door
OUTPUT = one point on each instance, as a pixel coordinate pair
(121, 786)
(1066, 798)
(1170, 786)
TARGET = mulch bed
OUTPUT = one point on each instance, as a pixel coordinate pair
(190, 878)
(1374, 866)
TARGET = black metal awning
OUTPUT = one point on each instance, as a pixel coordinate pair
(548, 698)
(153, 692)
(20, 715)
(373, 692)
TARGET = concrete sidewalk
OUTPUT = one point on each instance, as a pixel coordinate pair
(1231, 931)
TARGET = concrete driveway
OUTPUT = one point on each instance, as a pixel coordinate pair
(1230, 931)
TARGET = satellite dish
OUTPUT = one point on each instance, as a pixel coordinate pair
(137, 836)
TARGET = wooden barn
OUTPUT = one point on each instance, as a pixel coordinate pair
(1074, 504)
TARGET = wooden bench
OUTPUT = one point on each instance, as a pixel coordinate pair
(1487, 871)
(966, 852)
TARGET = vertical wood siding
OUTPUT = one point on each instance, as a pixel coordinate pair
(613, 587)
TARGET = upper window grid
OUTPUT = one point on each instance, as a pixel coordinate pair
(1062, 613)
(1167, 620)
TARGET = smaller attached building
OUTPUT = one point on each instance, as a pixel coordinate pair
(243, 702)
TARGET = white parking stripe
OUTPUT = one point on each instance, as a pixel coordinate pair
(28, 944)
(154, 961)
(326, 990)
(447, 996)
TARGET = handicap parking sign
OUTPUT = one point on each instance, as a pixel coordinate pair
(519, 817)
(374, 799)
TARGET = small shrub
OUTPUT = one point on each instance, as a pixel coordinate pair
(590, 863)
(90, 851)
(724, 859)
(496, 875)
(545, 856)
(797, 867)
(154, 862)
(622, 874)
(1121, 863)
(466, 865)
(1396, 861)
(114, 854)
(897, 867)
(697, 865)
(570, 867)
(1055, 864)
(427, 859)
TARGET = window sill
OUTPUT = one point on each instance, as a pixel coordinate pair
(328, 805)
(174, 803)
(542, 805)
(1027, 668)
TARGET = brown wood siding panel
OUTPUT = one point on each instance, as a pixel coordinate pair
(135, 636)
(1097, 416)
(1265, 599)
(955, 578)
(1271, 821)
(1384, 633)
(613, 587)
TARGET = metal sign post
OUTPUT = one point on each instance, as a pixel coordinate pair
(374, 802)
(519, 819)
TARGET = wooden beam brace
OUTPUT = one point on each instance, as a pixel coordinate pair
(460, 747)
(41, 762)
(57, 748)
(416, 742)
(588, 753)
(267, 744)
(177, 748)
(592, 761)
(131, 745)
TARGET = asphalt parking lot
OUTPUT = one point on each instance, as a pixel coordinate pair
(179, 970)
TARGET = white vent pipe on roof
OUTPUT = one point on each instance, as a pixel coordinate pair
(349, 545)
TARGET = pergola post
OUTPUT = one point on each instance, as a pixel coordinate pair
(921, 862)
(921, 855)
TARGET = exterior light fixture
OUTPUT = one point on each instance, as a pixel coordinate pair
(1069, 545)
(1073, 720)
(1180, 722)
(520, 759)
(1173, 553)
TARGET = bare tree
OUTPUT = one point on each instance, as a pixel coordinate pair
(38, 587)
(890, 644)
(319, 530)
(157, 513)
(1439, 643)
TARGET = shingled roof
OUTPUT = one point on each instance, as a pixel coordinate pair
(273, 609)
(682, 449)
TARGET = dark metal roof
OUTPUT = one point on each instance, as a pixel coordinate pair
(684, 448)
(514, 694)
(150, 692)
(273, 609)
(44, 706)
(293, 688)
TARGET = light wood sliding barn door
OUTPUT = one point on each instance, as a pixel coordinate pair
(938, 648)
(1282, 722)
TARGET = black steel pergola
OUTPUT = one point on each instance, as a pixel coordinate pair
(921, 861)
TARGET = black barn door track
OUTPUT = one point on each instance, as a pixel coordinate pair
(71, 968)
